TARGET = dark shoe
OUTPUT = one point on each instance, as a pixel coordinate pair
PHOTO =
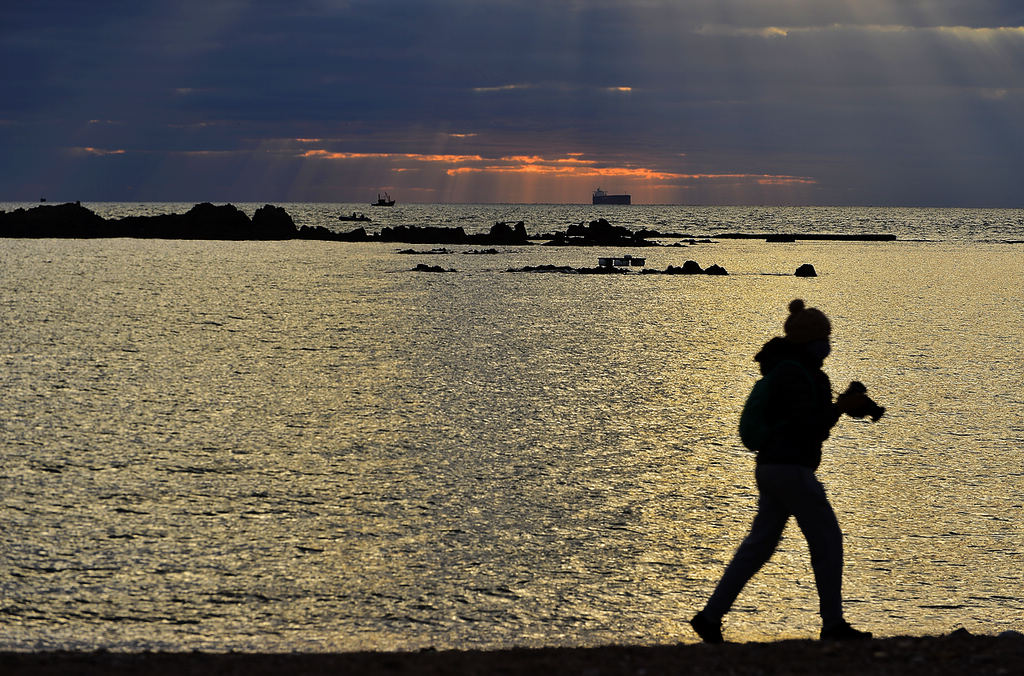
(708, 630)
(844, 632)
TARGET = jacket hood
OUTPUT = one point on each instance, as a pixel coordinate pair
(778, 350)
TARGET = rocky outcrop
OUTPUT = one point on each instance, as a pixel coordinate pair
(503, 233)
(688, 268)
(207, 221)
(270, 222)
(597, 233)
(203, 221)
(806, 270)
(57, 220)
(569, 270)
(500, 233)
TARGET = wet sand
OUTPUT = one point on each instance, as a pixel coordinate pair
(931, 656)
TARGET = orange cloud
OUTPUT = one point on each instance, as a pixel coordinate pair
(328, 155)
(98, 152)
(578, 168)
(572, 165)
(574, 158)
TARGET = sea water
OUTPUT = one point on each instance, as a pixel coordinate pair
(307, 446)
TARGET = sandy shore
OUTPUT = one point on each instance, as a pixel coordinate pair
(927, 656)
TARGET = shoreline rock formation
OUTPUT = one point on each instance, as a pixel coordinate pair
(206, 221)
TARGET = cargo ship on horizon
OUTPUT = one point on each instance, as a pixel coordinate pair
(601, 197)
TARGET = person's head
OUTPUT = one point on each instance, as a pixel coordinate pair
(808, 327)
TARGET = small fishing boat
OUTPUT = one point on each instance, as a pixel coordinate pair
(384, 201)
(355, 217)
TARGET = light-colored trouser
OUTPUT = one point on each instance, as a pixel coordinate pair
(788, 490)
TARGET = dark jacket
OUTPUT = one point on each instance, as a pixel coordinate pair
(800, 405)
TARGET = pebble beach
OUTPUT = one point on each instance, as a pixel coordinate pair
(954, 654)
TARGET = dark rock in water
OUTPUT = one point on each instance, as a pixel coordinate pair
(569, 270)
(209, 221)
(432, 251)
(482, 252)
(806, 270)
(689, 268)
(412, 234)
(270, 222)
(423, 267)
(598, 233)
(542, 268)
(55, 220)
(206, 221)
(203, 221)
(503, 233)
(320, 232)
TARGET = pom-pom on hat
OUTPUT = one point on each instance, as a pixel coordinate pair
(805, 324)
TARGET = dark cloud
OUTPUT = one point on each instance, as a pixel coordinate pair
(874, 101)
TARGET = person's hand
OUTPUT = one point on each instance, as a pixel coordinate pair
(854, 404)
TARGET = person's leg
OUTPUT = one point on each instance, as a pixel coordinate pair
(817, 520)
(756, 548)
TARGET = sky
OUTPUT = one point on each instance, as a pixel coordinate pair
(824, 102)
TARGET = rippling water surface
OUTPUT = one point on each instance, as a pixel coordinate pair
(306, 446)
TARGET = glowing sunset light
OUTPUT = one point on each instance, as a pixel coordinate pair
(726, 102)
(328, 155)
(98, 152)
(577, 171)
(536, 159)
(569, 174)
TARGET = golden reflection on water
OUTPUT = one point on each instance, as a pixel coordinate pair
(305, 446)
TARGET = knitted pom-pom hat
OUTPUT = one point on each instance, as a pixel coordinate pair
(805, 324)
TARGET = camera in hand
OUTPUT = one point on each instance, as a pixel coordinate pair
(864, 406)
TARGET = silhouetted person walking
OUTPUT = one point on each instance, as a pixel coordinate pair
(798, 415)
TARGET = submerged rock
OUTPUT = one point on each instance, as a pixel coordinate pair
(423, 267)
(688, 268)
(432, 251)
(544, 268)
(567, 269)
